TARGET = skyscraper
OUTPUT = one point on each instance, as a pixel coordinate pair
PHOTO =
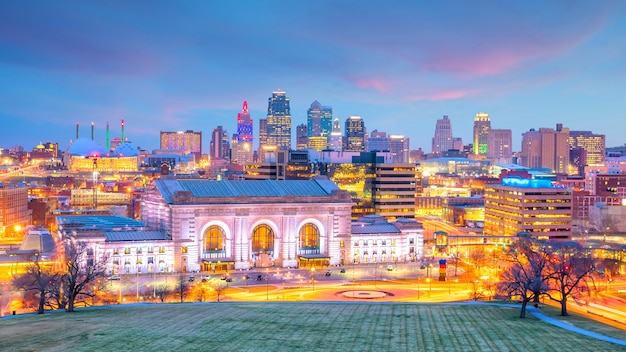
(594, 145)
(187, 141)
(335, 139)
(242, 144)
(546, 148)
(302, 139)
(442, 141)
(279, 121)
(482, 125)
(399, 148)
(220, 146)
(354, 138)
(319, 125)
(499, 144)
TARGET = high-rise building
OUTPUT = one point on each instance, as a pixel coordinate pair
(378, 142)
(399, 148)
(187, 141)
(262, 137)
(546, 148)
(528, 205)
(302, 139)
(354, 138)
(279, 121)
(594, 145)
(242, 143)
(335, 141)
(220, 146)
(442, 141)
(319, 125)
(482, 125)
(499, 145)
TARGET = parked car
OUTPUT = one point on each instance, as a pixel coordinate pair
(259, 277)
(343, 270)
(246, 277)
(389, 267)
(191, 278)
(328, 272)
(114, 277)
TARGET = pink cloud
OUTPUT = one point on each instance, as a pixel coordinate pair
(445, 95)
(377, 84)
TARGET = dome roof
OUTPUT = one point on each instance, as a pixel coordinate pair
(85, 147)
(125, 149)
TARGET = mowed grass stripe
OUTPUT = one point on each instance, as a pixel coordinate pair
(289, 327)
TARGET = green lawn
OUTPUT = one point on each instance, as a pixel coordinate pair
(293, 327)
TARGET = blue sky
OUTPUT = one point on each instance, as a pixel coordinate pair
(400, 65)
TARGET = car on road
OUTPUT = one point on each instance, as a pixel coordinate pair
(191, 278)
(114, 277)
(259, 277)
(389, 267)
(328, 272)
(343, 271)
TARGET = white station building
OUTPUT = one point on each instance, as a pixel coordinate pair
(251, 224)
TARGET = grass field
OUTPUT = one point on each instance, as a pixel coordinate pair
(295, 327)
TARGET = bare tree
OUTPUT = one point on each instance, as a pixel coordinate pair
(162, 291)
(181, 287)
(569, 267)
(526, 277)
(40, 280)
(478, 258)
(80, 271)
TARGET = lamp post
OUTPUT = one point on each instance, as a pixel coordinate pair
(313, 277)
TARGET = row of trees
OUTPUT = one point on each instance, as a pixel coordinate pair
(556, 270)
(61, 287)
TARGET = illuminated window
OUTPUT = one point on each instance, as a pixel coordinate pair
(214, 239)
(309, 239)
(184, 249)
(262, 240)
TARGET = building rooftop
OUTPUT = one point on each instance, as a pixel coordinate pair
(234, 188)
(114, 236)
(95, 222)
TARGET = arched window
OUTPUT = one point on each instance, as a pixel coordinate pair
(309, 239)
(213, 243)
(263, 240)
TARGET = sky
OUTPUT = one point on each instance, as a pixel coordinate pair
(400, 65)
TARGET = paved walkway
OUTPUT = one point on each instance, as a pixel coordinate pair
(539, 315)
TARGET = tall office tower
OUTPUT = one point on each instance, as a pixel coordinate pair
(302, 140)
(217, 143)
(546, 148)
(319, 125)
(335, 141)
(499, 146)
(279, 121)
(262, 136)
(377, 142)
(442, 141)
(482, 125)
(242, 144)
(399, 148)
(354, 135)
(594, 145)
(187, 141)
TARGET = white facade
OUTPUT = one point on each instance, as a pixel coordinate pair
(245, 224)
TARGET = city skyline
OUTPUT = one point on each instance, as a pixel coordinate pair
(400, 66)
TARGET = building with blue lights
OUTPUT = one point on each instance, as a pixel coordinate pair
(528, 205)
